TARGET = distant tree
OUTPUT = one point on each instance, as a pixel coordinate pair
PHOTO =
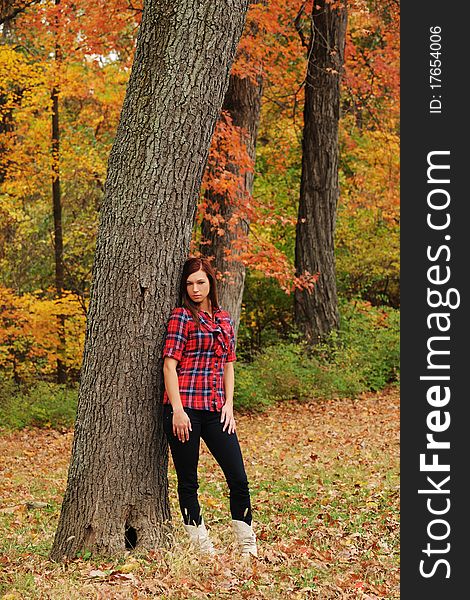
(268, 54)
(316, 310)
(117, 489)
(242, 103)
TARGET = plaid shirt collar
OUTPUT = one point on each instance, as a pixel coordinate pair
(215, 311)
(216, 327)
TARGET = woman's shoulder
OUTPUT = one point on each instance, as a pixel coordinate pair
(180, 312)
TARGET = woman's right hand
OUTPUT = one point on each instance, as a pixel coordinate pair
(181, 425)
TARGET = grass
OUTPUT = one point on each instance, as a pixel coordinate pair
(42, 404)
(325, 492)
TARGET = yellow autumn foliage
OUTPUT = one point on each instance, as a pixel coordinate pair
(29, 333)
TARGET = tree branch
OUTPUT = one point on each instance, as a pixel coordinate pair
(5, 17)
(298, 25)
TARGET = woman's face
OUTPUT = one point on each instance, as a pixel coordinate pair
(198, 286)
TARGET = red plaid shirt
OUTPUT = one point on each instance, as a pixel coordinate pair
(201, 355)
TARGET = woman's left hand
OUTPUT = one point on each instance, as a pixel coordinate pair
(227, 418)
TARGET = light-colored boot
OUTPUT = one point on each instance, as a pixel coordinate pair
(199, 537)
(246, 537)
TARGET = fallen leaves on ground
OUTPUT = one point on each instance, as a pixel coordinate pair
(325, 493)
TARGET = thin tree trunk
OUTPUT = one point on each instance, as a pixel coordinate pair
(58, 238)
(243, 102)
(57, 210)
(117, 485)
(6, 126)
(316, 313)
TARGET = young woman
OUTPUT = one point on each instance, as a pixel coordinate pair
(198, 402)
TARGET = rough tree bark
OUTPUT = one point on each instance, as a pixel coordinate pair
(243, 102)
(117, 489)
(316, 313)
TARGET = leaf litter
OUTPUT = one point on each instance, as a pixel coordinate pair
(324, 481)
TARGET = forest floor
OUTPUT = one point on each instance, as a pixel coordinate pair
(324, 480)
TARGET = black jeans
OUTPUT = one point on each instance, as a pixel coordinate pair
(225, 449)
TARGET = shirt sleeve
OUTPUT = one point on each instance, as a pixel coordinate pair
(231, 357)
(176, 334)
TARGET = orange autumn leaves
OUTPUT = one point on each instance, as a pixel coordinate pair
(272, 49)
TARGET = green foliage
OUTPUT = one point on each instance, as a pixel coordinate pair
(368, 257)
(281, 372)
(362, 356)
(43, 405)
(285, 371)
(278, 189)
(366, 348)
(266, 316)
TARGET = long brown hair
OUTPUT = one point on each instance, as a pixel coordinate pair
(192, 265)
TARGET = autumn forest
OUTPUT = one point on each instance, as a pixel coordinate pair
(64, 69)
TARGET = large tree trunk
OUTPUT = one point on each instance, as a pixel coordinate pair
(243, 102)
(316, 313)
(117, 485)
